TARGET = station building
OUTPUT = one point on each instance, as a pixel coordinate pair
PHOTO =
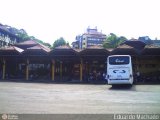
(30, 60)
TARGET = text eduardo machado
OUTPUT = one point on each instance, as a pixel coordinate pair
(136, 117)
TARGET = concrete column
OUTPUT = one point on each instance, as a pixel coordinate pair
(27, 69)
(61, 69)
(53, 70)
(4, 69)
(81, 70)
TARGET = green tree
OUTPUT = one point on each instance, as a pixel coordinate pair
(59, 42)
(112, 41)
(22, 34)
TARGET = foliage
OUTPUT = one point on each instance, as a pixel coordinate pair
(22, 34)
(59, 42)
(112, 41)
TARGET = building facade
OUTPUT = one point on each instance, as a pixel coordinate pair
(90, 38)
(6, 37)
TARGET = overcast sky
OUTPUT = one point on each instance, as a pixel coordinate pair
(48, 20)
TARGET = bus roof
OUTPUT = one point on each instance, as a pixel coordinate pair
(118, 55)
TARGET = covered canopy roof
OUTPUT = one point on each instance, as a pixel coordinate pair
(28, 42)
(39, 47)
(139, 45)
(151, 50)
(32, 47)
(10, 51)
(94, 51)
(125, 49)
(64, 52)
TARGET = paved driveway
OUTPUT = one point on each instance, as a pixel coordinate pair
(77, 98)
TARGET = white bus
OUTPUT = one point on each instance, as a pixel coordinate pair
(119, 70)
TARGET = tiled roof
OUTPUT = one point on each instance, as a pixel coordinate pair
(152, 46)
(125, 46)
(139, 45)
(33, 45)
(39, 47)
(28, 42)
(18, 49)
(12, 48)
(95, 47)
(125, 49)
(63, 47)
(94, 50)
(151, 50)
(63, 50)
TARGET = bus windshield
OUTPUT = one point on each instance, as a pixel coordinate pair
(118, 60)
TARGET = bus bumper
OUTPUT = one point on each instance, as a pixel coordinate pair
(110, 82)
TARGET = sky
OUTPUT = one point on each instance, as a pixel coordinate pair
(49, 20)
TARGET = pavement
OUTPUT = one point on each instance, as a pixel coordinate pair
(51, 98)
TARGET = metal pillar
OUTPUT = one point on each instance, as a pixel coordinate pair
(4, 69)
(27, 69)
(81, 70)
(53, 70)
(61, 69)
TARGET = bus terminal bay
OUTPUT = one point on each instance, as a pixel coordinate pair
(36, 73)
(31, 61)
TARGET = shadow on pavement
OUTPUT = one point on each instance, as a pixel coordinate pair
(121, 87)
